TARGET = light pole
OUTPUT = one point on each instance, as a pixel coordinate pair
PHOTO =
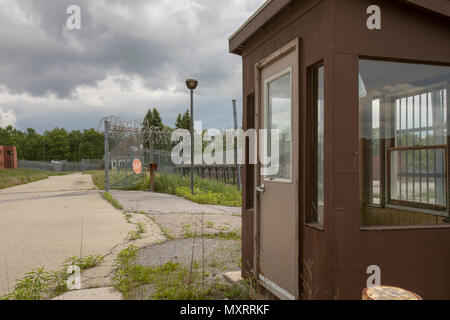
(192, 84)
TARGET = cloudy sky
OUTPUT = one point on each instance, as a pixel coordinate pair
(128, 56)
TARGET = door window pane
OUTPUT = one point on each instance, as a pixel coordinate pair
(278, 116)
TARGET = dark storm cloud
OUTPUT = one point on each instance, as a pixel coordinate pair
(161, 41)
(42, 59)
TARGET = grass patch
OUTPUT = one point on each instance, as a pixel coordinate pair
(98, 177)
(15, 177)
(218, 235)
(108, 197)
(206, 191)
(224, 234)
(171, 281)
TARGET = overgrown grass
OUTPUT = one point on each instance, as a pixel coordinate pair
(206, 191)
(40, 284)
(98, 177)
(224, 234)
(14, 177)
(108, 197)
(171, 281)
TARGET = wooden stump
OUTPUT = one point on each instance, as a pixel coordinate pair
(388, 293)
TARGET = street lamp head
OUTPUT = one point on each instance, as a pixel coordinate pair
(191, 84)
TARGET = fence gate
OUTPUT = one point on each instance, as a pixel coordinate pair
(128, 142)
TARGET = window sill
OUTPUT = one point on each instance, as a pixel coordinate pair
(315, 226)
(393, 228)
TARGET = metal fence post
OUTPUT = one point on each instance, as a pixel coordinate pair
(106, 155)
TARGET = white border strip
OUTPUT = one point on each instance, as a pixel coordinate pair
(275, 289)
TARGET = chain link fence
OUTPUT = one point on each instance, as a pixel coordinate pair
(128, 141)
(131, 141)
(63, 166)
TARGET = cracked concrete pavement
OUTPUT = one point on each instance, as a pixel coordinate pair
(178, 217)
(45, 222)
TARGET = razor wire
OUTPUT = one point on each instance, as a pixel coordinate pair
(129, 140)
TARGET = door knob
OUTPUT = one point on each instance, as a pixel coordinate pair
(261, 188)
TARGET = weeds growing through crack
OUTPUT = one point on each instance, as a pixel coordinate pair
(171, 281)
(85, 263)
(108, 197)
(137, 234)
(31, 287)
(224, 234)
(40, 284)
(163, 229)
(128, 217)
(232, 235)
(309, 289)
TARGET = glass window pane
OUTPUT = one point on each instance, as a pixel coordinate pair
(278, 116)
(316, 214)
(320, 145)
(403, 142)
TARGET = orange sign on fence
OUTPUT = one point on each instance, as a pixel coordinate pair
(137, 166)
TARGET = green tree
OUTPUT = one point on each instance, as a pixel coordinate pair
(18, 140)
(92, 144)
(75, 139)
(32, 147)
(5, 136)
(183, 121)
(57, 144)
(153, 119)
(178, 122)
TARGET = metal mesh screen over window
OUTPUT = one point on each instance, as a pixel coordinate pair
(404, 143)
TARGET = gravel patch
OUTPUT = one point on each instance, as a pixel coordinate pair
(220, 255)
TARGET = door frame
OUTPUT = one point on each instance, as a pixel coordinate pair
(293, 46)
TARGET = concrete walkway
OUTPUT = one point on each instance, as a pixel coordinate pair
(152, 202)
(178, 217)
(43, 223)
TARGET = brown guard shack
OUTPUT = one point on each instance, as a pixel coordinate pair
(358, 90)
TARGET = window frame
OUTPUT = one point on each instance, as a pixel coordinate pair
(385, 150)
(414, 204)
(278, 75)
(312, 215)
(431, 208)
